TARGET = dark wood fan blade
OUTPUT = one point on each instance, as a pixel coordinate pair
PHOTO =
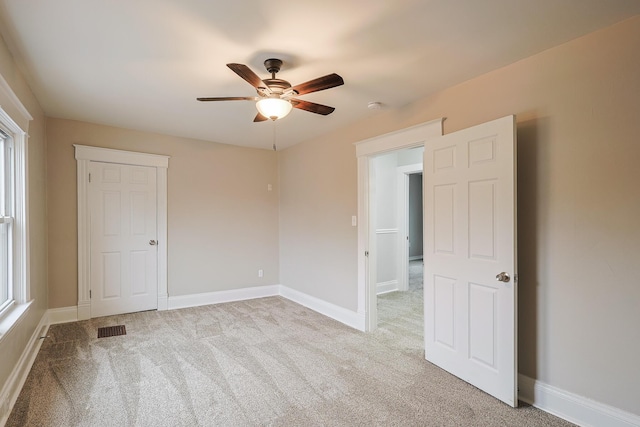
(312, 107)
(229, 98)
(248, 75)
(321, 83)
(260, 118)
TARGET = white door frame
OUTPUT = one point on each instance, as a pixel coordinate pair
(403, 222)
(366, 150)
(84, 155)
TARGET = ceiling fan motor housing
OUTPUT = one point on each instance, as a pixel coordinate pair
(277, 85)
(273, 65)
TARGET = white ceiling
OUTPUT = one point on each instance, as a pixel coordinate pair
(140, 64)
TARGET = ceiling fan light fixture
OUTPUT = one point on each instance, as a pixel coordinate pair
(276, 96)
(274, 108)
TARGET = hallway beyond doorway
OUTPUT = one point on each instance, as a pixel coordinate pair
(401, 314)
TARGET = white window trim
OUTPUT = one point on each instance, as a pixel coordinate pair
(20, 253)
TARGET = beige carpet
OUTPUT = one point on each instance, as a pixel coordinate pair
(400, 314)
(267, 361)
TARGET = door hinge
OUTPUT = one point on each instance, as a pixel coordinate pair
(89, 293)
(366, 253)
(89, 177)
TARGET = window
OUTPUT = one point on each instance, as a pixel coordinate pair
(6, 220)
(13, 223)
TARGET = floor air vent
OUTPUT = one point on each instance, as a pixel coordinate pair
(112, 331)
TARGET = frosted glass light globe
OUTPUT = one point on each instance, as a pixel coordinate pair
(273, 107)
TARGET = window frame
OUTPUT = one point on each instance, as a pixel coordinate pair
(19, 288)
(6, 217)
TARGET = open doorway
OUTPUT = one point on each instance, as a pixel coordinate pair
(415, 264)
(410, 212)
(367, 152)
(396, 196)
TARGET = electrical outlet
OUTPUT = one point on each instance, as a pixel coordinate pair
(260, 273)
(354, 220)
(269, 187)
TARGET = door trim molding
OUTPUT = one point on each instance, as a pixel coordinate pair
(366, 150)
(85, 154)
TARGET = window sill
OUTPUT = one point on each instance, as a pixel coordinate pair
(12, 317)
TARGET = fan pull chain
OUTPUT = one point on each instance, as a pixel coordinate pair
(274, 135)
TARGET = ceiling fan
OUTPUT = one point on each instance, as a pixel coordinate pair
(276, 97)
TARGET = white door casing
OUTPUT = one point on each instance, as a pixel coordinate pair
(366, 150)
(469, 238)
(123, 212)
(85, 155)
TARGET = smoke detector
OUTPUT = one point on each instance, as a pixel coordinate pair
(374, 105)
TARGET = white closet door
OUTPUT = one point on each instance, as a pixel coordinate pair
(122, 200)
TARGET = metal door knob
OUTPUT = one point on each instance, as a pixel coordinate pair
(503, 277)
(153, 242)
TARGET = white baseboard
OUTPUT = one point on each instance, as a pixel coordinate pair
(386, 287)
(571, 407)
(62, 315)
(348, 317)
(163, 302)
(70, 314)
(195, 300)
(341, 314)
(16, 380)
(84, 311)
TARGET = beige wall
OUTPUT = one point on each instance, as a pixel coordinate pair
(317, 199)
(222, 221)
(13, 344)
(578, 115)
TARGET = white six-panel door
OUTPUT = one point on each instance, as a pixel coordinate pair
(122, 204)
(470, 238)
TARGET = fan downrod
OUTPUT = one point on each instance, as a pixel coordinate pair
(276, 85)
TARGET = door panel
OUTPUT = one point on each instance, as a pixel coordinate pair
(122, 204)
(443, 225)
(111, 275)
(139, 282)
(445, 311)
(482, 324)
(482, 220)
(470, 237)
